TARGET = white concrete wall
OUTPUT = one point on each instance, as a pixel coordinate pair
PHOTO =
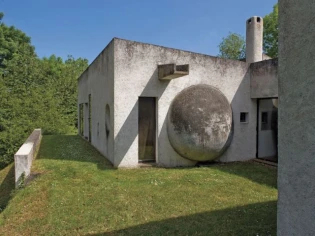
(136, 75)
(24, 157)
(98, 80)
(254, 39)
(264, 79)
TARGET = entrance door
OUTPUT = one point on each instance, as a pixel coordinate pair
(147, 129)
(268, 129)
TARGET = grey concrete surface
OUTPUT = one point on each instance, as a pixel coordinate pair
(98, 80)
(199, 123)
(266, 57)
(24, 157)
(296, 167)
(254, 39)
(127, 70)
(136, 75)
(264, 79)
(172, 71)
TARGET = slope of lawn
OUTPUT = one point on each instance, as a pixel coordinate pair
(75, 191)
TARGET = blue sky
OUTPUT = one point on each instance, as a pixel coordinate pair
(82, 28)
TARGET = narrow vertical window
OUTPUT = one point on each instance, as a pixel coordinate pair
(107, 128)
(90, 118)
(81, 119)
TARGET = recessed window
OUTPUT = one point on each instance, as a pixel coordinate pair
(258, 19)
(264, 117)
(244, 117)
(81, 118)
(90, 118)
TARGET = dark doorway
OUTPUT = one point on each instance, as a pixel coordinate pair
(147, 129)
(267, 134)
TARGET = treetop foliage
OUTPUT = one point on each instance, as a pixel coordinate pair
(233, 46)
(271, 32)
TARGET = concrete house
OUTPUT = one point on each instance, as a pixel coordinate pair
(140, 103)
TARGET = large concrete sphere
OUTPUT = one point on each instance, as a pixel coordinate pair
(199, 123)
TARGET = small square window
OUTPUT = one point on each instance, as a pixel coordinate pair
(244, 117)
(264, 117)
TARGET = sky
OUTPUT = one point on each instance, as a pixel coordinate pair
(82, 28)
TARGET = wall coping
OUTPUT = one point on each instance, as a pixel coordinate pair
(24, 156)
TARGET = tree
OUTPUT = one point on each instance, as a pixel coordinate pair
(233, 46)
(10, 41)
(271, 32)
(34, 92)
(61, 77)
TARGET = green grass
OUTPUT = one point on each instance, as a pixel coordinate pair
(77, 192)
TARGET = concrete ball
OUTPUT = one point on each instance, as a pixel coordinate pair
(199, 123)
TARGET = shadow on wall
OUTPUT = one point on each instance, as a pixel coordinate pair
(243, 143)
(7, 186)
(254, 219)
(72, 148)
(157, 87)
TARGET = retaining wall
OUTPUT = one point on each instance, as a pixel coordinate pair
(25, 155)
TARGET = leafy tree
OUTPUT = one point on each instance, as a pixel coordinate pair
(10, 41)
(61, 76)
(271, 32)
(233, 46)
(34, 93)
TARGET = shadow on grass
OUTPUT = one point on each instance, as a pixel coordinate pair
(75, 148)
(255, 172)
(72, 148)
(253, 219)
(7, 187)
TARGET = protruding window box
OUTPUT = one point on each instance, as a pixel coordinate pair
(172, 71)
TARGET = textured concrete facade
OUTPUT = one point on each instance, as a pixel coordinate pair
(136, 64)
(98, 81)
(199, 123)
(127, 71)
(296, 173)
(254, 39)
(264, 79)
(135, 75)
(24, 157)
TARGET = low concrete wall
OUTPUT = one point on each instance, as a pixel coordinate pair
(25, 155)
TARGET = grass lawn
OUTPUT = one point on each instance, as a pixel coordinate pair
(77, 192)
